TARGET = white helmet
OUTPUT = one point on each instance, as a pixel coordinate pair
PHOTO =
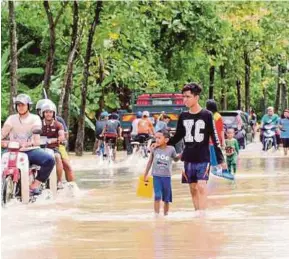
(146, 113)
(41, 102)
(24, 99)
(48, 107)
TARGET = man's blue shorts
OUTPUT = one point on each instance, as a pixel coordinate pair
(163, 188)
(196, 172)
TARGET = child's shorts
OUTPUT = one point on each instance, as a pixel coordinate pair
(63, 152)
(196, 172)
(163, 188)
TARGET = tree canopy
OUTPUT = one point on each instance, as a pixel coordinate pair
(153, 46)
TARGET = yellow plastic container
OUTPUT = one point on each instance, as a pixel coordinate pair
(145, 189)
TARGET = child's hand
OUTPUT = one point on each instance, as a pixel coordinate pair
(153, 146)
(184, 175)
(146, 178)
(179, 156)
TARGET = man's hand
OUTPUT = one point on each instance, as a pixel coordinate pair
(4, 143)
(224, 165)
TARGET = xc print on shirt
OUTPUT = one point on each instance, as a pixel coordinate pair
(196, 130)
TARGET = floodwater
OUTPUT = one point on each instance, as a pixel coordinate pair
(245, 219)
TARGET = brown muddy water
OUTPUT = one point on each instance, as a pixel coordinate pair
(245, 219)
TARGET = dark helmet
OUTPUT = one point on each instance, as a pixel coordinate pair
(113, 116)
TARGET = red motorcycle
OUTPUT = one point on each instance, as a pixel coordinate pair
(18, 174)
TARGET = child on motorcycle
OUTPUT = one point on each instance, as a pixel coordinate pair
(20, 128)
(54, 131)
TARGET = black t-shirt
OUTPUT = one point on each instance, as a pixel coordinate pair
(196, 130)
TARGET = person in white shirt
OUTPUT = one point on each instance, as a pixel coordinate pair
(21, 128)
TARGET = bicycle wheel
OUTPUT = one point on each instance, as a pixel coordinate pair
(109, 153)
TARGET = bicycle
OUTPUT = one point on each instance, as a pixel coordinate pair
(140, 145)
(109, 146)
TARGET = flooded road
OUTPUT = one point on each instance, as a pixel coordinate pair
(245, 219)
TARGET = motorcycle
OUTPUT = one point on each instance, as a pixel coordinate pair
(269, 133)
(18, 174)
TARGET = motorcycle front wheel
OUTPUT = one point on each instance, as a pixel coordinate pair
(7, 190)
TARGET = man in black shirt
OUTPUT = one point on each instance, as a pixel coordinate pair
(196, 127)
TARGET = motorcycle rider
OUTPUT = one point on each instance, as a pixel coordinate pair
(99, 126)
(53, 130)
(272, 119)
(38, 107)
(21, 127)
(61, 148)
(112, 131)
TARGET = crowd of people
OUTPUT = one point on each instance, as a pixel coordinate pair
(207, 146)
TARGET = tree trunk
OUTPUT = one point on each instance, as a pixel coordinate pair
(80, 131)
(238, 85)
(263, 104)
(224, 88)
(13, 55)
(212, 81)
(212, 53)
(50, 58)
(278, 90)
(264, 99)
(63, 105)
(284, 96)
(247, 80)
(101, 78)
(283, 88)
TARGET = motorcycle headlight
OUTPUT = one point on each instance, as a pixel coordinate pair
(12, 156)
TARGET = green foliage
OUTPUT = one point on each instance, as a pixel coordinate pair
(152, 47)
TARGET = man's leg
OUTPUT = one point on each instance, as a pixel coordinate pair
(45, 161)
(202, 194)
(128, 145)
(275, 144)
(195, 195)
(95, 146)
(263, 142)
